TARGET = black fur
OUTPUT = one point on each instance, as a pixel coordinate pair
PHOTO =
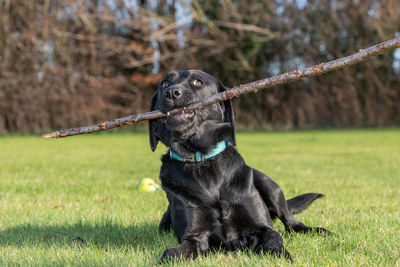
(220, 202)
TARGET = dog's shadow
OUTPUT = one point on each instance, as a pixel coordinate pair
(103, 234)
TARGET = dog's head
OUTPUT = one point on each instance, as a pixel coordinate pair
(197, 130)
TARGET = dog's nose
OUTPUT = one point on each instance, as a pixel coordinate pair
(173, 93)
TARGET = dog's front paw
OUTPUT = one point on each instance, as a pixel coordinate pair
(273, 244)
(282, 252)
(169, 255)
(184, 251)
(279, 251)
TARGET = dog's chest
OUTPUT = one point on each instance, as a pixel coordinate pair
(216, 180)
(224, 207)
(220, 197)
(198, 182)
(205, 179)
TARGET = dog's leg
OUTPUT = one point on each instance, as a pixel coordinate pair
(273, 197)
(272, 243)
(166, 223)
(190, 248)
(186, 250)
(191, 224)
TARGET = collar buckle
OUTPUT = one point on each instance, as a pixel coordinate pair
(191, 159)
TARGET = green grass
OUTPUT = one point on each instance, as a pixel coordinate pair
(53, 191)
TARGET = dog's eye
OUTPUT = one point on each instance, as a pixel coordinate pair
(197, 83)
(165, 84)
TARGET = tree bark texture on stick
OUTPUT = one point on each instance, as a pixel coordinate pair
(362, 55)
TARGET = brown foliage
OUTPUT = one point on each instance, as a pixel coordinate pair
(70, 63)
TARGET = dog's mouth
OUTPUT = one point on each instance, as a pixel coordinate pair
(180, 117)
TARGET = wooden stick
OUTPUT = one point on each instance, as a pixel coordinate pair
(362, 55)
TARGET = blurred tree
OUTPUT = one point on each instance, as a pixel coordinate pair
(66, 63)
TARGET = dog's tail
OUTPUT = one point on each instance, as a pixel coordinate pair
(300, 203)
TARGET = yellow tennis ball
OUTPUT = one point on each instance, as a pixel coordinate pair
(147, 185)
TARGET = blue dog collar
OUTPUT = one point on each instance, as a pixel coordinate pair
(199, 157)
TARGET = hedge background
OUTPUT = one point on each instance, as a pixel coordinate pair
(67, 63)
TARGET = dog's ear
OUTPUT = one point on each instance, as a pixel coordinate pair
(228, 114)
(153, 124)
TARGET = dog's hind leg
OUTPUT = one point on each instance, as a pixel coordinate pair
(277, 205)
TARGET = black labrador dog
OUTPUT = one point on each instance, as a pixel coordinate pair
(215, 200)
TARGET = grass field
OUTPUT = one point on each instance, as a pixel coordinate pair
(54, 191)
